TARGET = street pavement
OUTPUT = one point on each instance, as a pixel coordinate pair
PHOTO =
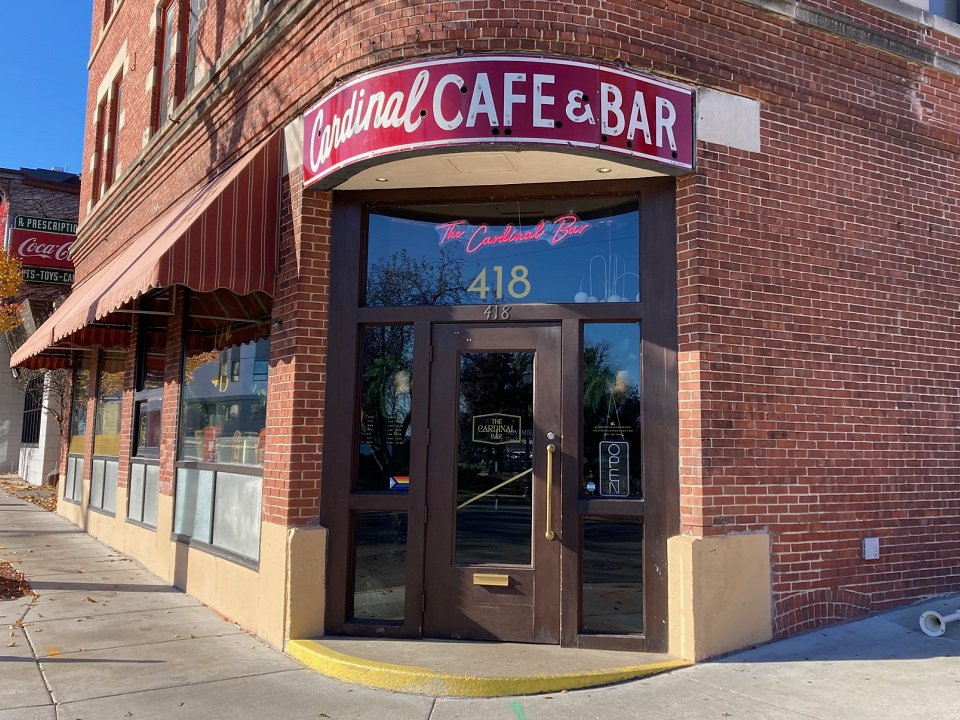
(106, 639)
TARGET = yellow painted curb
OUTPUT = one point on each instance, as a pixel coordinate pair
(424, 681)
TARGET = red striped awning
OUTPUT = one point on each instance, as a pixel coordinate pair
(224, 235)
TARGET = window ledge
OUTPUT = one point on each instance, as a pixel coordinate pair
(917, 15)
(141, 524)
(217, 551)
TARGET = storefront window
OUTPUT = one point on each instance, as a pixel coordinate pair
(222, 425)
(73, 486)
(78, 409)
(106, 434)
(518, 252)
(143, 493)
(386, 378)
(148, 398)
(611, 410)
(223, 412)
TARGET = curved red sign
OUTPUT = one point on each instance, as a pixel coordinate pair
(511, 100)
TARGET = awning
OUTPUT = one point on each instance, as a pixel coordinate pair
(223, 236)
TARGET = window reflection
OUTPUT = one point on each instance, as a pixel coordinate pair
(379, 580)
(386, 369)
(531, 251)
(612, 576)
(495, 458)
(611, 410)
(106, 439)
(222, 419)
(151, 362)
(78, 409)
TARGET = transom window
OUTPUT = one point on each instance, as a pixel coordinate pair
(513, 252)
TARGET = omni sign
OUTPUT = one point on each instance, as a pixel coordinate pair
(499, 100)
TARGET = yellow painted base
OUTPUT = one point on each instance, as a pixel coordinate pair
(427, 681)
(720, 597)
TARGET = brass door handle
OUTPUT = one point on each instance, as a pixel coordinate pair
(551, 449)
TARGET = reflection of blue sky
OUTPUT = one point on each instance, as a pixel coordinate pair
(602, 262)
(623, 341)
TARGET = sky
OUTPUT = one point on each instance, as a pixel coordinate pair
(43, 83)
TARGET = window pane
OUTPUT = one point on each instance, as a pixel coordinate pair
(151, 366)
(612, 576)
(110, 485)
(151, 495)
(149, 414)
(379, 570)
(78, 409)
(222, 420)
(96, 484)
(536, 251)
(236, 515)
(194, 503)
(135, 503)
(166, 69)
(611, 410)
(949, 9)
(386, 378)
(106, 439)
(74, 479)
(495, 458)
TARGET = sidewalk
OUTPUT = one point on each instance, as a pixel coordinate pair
(106, 639)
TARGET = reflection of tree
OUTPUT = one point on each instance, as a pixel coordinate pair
(607, 399)
(385, 401)
(195, 362)
(402, 280)
(495, 382)
(611, 411)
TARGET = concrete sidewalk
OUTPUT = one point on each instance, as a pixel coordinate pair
(106, 639)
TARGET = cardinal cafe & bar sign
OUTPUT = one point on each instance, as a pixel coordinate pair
(501, 100)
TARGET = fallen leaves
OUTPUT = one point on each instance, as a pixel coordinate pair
(12, 583)
(43, 496)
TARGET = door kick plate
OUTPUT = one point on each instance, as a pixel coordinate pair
(493, 579)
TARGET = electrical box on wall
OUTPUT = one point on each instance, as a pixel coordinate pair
(871, 548)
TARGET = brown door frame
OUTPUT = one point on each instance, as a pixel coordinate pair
(528, 608)
(658, 312)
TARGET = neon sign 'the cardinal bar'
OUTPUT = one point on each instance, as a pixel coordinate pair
(475, 237)
(517, 100)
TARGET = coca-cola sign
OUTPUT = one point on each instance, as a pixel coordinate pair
(512, 100)
(43, 243)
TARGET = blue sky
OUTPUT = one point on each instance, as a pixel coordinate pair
(43, 83)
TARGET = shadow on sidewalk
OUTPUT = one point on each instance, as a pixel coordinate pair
(104, 587)
(11, 658)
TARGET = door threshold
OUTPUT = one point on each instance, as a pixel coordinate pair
(455, 668)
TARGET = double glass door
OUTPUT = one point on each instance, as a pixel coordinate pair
(492, 564)
(500, 418)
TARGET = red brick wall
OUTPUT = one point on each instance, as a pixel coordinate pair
(293, 460)
(817, 278)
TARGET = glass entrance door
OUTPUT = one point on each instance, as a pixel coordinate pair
(493, 490)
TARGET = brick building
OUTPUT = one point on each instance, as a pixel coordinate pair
(30, 401)
(609, 325)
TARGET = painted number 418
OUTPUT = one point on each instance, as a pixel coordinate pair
(497, 312)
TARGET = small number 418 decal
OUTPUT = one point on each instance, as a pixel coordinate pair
(497, 312)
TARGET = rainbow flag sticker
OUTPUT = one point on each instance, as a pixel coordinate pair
(400, 482)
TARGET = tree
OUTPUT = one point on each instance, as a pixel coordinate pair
(11, 281)
(56, 400)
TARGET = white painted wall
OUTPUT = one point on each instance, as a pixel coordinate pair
(36, 462)
(11, 415)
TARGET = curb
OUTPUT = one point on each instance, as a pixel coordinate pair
(427, 681)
